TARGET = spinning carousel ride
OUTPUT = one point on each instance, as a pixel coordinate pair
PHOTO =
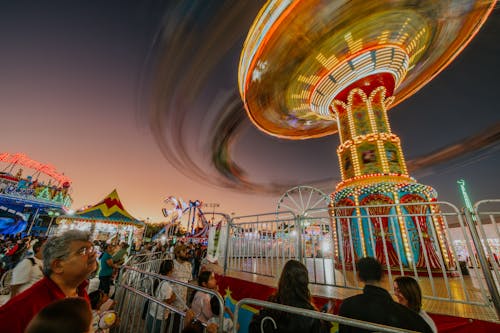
(313, 68)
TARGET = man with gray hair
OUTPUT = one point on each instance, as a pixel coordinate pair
(68, 260)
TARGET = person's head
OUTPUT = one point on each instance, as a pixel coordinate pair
(293, 286)
(207, 279)
(66, 315)
(166, 267)
(70, 256)
(180, 252)
(37, 248)
(97, 298)
(408, 292)
(369, 270)
(124, 245)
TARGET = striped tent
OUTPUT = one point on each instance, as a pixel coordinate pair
(109, 210)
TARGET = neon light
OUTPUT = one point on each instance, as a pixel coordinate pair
(22, 159)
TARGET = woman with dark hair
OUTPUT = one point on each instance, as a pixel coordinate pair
(293, 290)
(409, 294)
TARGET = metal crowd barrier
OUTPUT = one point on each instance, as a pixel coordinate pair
(135, 294)
(490, 257)
(316, 315)
(149, 262)
(261, 244)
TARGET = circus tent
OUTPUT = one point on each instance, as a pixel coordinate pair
(105, 219)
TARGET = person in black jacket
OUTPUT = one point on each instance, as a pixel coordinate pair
(293, 290)
(376, 305)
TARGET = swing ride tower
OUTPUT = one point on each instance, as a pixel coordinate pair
(313, 68)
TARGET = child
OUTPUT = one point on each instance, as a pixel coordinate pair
(102, 319)
(201, 301)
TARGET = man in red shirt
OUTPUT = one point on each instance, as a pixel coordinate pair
(68, 260)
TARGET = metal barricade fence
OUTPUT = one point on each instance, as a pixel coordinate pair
(408, 238)
(487, 212)
(149, 262)
(135, 297)
(316, 315)
(256, 243)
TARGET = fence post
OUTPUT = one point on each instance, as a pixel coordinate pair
(226, 251)
(485, 267)
(298, 229)
(33, 221)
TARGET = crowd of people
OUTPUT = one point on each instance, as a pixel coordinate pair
(50, 292)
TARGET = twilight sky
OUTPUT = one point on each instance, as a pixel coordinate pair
(141, 96)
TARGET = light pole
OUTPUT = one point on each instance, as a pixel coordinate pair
(53, 215)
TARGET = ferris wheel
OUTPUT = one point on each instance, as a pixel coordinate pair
(303, 201)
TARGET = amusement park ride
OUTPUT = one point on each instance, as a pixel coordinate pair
(188, 215)
(314, 68)
(43, 194)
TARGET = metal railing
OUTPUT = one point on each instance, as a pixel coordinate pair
(136, 294)
(149, 262)
(317, 315)
(408, 238)
(488, 256)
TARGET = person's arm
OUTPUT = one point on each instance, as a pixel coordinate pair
(168, 293)
(171, 299)
(188, 318)
(229, 312)
(110, 263)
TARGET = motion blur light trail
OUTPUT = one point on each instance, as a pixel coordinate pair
(198, 119)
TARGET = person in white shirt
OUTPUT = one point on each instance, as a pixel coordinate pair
(181, 272)
(28, 271)
(157, 314)
(409, 294)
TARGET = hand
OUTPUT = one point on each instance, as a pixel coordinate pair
(189, 317)
(212, 328)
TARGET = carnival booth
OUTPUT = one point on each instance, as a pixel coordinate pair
(107, 220)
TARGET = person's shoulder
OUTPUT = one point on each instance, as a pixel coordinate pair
(411, 319)
(351, 303)
(23, 264)
(353, 299)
